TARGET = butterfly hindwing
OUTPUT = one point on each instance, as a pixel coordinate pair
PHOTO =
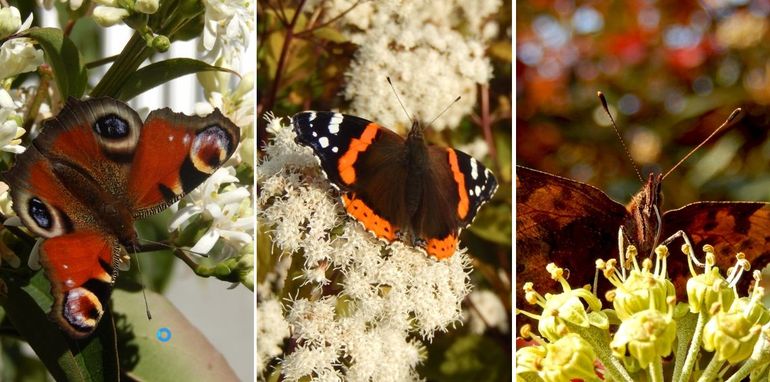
(81, 267)
(730, 227)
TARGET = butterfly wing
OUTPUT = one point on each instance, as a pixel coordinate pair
(345, 145)
(96, 138)
(77, 255)
(730, 227)
(453, 190)
(565, 222)
(176, 153)
(80, 267)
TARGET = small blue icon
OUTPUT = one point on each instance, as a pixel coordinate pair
(163, 334)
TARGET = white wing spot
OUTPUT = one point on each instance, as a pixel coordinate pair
(478, 190)
(315, 134)
(471, 193)
(335, 149)
(186, 139)
(334, 123)
(474, 168)
(324, 142)
(170, 138)
(69, 283)
(311, 116)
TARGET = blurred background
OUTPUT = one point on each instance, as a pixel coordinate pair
(672, 72)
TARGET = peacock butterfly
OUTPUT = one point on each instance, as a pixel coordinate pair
(93, 170)
(573, 224)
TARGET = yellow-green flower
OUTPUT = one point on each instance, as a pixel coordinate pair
(646, 336)
(643, 288)
(570, 357)
(565, 306)
(709, 287)
(733, 333)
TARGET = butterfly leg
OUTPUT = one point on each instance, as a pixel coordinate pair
(687, 241)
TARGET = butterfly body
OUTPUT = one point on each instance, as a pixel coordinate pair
(573, 224)
(398, 189)
(92, 172)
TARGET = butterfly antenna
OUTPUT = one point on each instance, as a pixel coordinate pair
(143, 283)
(620, 137)
(169, 246)
(399, 100)
(727, 122)
(444, 111)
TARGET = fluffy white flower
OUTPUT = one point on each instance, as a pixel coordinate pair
(272, 328)
(107, 16)
(227, 27)
(228, 208)
(487, 311)
(394, 296)
(433, 51)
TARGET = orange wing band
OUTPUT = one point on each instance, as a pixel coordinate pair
(442, 248)
(373, 222)
(462, 206)
(357, 145)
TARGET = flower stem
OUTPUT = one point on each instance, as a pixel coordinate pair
(692, 354)
(656, 370)
(600, 341)
(712, 370)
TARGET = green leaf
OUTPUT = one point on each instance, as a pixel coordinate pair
(185, 356)
(63, 57)
(330, 34)
(90, 359)
(161, 72)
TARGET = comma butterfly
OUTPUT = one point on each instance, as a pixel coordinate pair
(573, 224)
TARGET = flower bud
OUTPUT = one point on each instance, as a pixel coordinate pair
(10, 21)
(109, 16)
(146, 6)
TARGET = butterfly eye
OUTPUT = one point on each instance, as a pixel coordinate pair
(39, 212)
(210, 148)
(111, 126)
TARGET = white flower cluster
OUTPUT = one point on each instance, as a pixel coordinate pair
(228, 208)
(270, 332)
(17, 55)
(420, 46)
(227, 27)
(385, 295)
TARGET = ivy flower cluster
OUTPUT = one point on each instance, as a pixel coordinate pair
(358, 309)
(715, 335)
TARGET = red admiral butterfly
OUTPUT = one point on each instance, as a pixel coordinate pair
(399, 189)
